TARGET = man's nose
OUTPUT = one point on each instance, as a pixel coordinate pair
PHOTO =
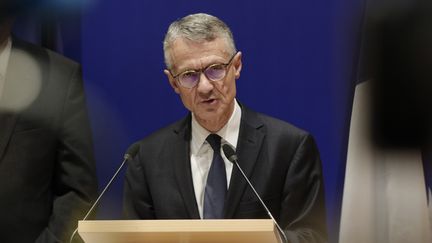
(204, 84)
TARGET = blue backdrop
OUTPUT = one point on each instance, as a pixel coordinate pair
(299, 64)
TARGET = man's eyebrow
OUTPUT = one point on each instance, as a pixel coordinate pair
(205, 66)
(216, 60)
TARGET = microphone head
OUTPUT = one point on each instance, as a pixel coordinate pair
(229, 153)
(132, 150)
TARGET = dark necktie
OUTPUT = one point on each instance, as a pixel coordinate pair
(216, 187)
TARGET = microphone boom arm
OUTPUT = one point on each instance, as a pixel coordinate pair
(262, 202)
(232, 157)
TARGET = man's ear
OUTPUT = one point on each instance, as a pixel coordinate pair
(172, 81)
(237, 64)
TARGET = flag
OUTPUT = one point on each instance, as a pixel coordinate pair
(384, 197)
(385, 194)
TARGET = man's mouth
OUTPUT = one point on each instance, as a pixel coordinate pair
(209, 101)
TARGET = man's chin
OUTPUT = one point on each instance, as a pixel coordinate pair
(207, 116)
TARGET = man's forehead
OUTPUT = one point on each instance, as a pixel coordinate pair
(186, 53)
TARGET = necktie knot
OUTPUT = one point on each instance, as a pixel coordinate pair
(215, 142)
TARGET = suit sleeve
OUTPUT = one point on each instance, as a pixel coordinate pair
(303, 207)
(74, 180)
(137, 202)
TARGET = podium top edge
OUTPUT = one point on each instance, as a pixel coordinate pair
(197, 225)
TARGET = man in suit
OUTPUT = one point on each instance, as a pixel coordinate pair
(47, 170)
(180, 171)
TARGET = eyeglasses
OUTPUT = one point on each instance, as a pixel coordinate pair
(213, 72)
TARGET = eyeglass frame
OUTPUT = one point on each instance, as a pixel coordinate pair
(202, 71)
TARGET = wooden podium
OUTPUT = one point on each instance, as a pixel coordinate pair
(184, 231)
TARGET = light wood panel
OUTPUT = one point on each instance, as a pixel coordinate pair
(184, 231)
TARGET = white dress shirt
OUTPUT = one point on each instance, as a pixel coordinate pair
(4, 59)
(202, 153)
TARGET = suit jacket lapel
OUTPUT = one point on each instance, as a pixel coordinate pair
(181, 157)
(24, 80)
(248, 148)
(7, 124)
(7, 116)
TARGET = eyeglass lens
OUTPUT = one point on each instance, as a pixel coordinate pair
(214, 73)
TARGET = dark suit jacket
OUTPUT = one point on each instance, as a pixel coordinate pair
(281, 160)
(47, 170)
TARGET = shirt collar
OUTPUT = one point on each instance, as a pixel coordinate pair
(229, 132)
(4, 59)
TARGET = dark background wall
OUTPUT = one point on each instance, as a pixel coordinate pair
(299, 61)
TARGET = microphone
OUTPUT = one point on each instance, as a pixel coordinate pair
(130, 153)
(232, 157)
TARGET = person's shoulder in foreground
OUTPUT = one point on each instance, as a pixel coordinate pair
(46, 144)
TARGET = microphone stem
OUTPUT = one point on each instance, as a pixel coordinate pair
(106, 187)
(126, 157)
(282, 233)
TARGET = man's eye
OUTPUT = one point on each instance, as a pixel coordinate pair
(189, 74)
(216, 67)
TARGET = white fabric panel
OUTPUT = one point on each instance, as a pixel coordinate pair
(384, 197)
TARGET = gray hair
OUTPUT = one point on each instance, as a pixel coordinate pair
(198, 27)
